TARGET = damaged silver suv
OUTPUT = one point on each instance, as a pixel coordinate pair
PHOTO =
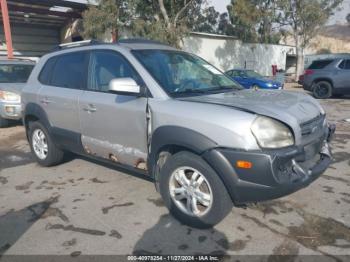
(207, 143)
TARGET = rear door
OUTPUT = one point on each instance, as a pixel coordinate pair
(342, 77)
(113, 126)
(63, 79)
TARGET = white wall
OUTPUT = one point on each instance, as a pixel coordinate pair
(228, 53)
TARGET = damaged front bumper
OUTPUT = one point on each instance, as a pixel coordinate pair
(274, 173)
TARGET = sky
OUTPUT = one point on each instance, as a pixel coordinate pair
(339, 16)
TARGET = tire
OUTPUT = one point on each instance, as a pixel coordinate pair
(53, 155)
(214, 210)
(255, 87)
(3, 122)
(322, 90)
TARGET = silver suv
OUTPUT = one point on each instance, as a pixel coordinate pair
(206, 142)
(326, 78)
(14, 74)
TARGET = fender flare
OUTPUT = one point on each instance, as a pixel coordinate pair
(177, 136)
(37, 111)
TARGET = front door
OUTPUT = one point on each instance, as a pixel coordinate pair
(113, 126)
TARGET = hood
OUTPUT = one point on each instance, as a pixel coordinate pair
(289, 107)
(12, 87)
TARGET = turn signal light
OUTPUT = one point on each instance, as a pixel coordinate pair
(244, 164)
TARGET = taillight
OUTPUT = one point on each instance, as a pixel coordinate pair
(308, 72)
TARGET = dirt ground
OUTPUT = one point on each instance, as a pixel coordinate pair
(84, 208)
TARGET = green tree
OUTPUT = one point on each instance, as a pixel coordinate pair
(244, 18)
(224, 25)
(164, 20)
(169, 20)
(304, 18)
(252, 20)
(205, 20)
(107, 16)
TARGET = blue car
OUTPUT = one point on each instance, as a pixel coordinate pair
(251, 79)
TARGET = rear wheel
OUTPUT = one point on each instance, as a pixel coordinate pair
(3, 122)
(322, 90)
(192, 191)
(45, 151)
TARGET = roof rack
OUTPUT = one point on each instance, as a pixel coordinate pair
(139, 41)
(18, 59)
(76, 44)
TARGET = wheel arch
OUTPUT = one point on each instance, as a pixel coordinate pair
(326, 79)
(34, 112)
(172, 139)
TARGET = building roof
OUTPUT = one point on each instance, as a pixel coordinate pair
(215, 36)
(49, 13)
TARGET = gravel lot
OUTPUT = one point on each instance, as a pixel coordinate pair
(81, 208)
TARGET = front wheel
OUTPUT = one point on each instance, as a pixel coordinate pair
(322, 90)
(45, 151)
(192, 191)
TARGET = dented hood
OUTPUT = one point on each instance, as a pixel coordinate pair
(290, 107)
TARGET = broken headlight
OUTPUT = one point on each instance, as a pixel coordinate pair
(270, 133)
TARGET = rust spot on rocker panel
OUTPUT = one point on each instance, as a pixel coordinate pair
(141, 164)
(113, 158)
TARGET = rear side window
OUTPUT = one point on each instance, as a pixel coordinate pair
(46, 72)
(345, 64)
(69, 71)
(320, 64)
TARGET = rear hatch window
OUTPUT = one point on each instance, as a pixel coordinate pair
(320, 64)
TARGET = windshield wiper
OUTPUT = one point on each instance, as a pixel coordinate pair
(224, 88)
(189, 91)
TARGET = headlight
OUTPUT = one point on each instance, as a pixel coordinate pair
(269, 84)
(271, 133)
(9, 97)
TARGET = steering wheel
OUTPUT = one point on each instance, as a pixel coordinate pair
(186, 85)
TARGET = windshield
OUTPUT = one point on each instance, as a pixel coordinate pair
(181, 74)
(12, 73)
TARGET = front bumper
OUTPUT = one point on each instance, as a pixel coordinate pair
(11, 110)
(274, 173)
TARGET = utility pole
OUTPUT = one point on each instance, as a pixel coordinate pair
(7, 28)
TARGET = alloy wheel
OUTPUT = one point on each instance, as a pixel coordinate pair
(39, 143)
(190, 191)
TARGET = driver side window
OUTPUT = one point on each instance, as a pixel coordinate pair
(105, 66)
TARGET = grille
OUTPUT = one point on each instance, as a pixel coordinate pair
(312, 125)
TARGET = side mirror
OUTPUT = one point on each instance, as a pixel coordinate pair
(124, 86)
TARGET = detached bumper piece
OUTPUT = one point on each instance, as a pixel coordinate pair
(274, 173)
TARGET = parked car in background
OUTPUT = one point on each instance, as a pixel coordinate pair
(328, 77)
(251, 79)
(205, 141)
(13, 76)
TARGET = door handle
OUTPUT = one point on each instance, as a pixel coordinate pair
(90, 108)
